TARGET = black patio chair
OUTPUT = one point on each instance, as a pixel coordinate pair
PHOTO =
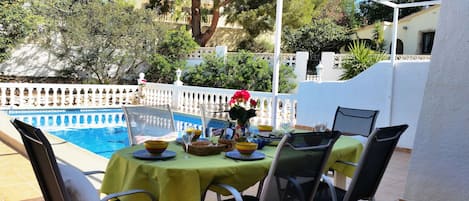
(370, 169)
(299, 157)
(350, 121)
(149, 122)
(59, 182)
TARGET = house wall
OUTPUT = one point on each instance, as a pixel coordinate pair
(318, 101)
(411, 36)
(416, 25)
(439, 167)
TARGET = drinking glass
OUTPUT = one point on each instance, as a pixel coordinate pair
(187, 139)
(286, 126)
(321, 127)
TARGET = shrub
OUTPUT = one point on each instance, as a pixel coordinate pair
(361, 59)
(240, 71)
(171, 51)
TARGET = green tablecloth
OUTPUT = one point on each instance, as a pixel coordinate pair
(181, 179)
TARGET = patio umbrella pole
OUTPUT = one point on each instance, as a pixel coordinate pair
(278, 32)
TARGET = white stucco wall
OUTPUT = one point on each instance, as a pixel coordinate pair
(329, 71)
(439, 167)
(371, 89)
(31, 60)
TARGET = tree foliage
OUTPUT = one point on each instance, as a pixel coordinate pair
(16, 23)
(378, 37)
(239, 71)
(257, 17)
(341, 12)
(371, 12)
(102, 41)
(320, 35)
(170, 56)
(361, 59)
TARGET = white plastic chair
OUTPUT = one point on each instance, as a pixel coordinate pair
(149, 122)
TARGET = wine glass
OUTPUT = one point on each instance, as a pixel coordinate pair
(187, 139)
(320, 126)
(286, 126)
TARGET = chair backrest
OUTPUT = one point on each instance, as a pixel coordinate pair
(210, 115)
(351, 121)
(373, 162)
(43, 161)
(299, 156)
(144, 122)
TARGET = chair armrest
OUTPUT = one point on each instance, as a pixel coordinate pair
(130, 192)
(331, 186)
(234, 192)
(93, 172)
(348, 163)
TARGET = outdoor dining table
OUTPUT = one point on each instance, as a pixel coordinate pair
(182, 178)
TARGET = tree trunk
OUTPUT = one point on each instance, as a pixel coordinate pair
(199, 37)
(195, 21)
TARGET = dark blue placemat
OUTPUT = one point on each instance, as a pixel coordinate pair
(145, 155)
(256, 155)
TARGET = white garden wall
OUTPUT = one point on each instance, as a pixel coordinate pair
(317, 101)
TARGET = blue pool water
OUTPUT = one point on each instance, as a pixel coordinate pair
(102, 131)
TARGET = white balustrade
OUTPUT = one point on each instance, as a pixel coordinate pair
(183, 98)
(27, 95)
(189, 98)
(56, 119)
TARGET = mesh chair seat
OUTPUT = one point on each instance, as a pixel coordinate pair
(149, 122)
(350, 121)
(212, 115)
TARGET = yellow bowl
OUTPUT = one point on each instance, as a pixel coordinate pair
(189, 130)
(264, 128)
(155, 146)
(197, 132)
(246, 147)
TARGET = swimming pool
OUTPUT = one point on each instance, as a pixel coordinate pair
(101, 131)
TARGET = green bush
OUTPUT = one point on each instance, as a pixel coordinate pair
(170, 56)
(253, 45)
(16, 23)
(321, 35)
(239, 71)
(361, 59)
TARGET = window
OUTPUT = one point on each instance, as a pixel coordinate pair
(427, 42)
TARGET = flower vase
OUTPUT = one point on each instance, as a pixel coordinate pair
(241, 131)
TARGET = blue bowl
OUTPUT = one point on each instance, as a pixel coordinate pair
(261, 142)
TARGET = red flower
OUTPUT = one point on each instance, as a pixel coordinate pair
(238, 111)
(240, 96)
(253, 103)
